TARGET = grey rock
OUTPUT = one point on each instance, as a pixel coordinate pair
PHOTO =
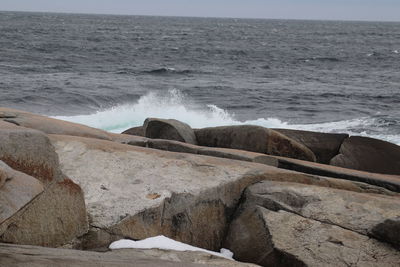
(50, 125)
(31, 256)
(138, 131)
(16, 190)
(367, 214)
(152, 192)
(53, 218)
(30, 152)
(386, 182)
(255, 139)
(280, 238)
(388, 230)
(368, 154)
(40, 206)
(169, 129)
(324, 145)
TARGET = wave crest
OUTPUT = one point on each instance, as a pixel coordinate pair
(175, 105)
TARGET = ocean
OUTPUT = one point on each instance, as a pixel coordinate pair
(112, 72)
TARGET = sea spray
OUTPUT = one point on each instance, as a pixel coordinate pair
(173, 104)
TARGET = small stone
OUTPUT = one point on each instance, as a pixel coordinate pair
(153, 196)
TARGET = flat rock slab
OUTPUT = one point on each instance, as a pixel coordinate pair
(390, 182)
(31, 256)
(138, 192)
(368, 154)
(50, 125)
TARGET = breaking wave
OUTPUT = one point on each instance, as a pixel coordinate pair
(174, 105)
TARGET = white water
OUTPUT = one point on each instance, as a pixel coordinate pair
(174, 105)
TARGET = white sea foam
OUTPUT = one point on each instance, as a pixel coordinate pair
(174, 105)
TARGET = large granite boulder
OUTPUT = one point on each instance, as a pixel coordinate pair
(368, 154)
(281, 238)
(325, 146)
(255, 139)
(28, 151)
(17, 255)
(50, 125)
(138, 192)
(355, 211)
(39, 205)
(55, 217)
(290, 224)
(169, 129)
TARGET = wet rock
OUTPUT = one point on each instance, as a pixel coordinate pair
(325, 146)
(169, 129)
(368, 154)
(255, 139)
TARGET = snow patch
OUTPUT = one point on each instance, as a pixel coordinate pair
(162, 242)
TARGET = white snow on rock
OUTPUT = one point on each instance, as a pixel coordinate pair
(162, 242)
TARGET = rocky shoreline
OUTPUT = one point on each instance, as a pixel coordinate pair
(274, 197)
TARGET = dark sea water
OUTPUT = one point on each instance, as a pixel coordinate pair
(114, 71)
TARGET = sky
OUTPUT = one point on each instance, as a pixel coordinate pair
(375, 10)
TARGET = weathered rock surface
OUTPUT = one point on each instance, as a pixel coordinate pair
(368, 154)
(325, 146)
(281, 238)
(40, 206)
(29, 151)
(50, 125)
(16, 190)
(255, 139)
(358, 212)
(169, 129)
(391, 182)
(138, 131)
(53, 218)
(30, 256)
(138, 192)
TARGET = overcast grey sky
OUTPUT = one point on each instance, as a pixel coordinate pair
(386, 10)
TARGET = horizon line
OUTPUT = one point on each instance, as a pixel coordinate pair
(205, 17)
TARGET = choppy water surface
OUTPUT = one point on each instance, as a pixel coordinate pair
(114, 71)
